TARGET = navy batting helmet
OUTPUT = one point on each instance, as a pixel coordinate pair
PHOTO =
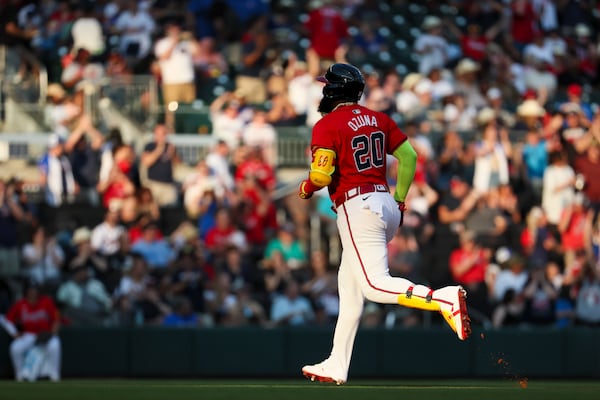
(343, 83)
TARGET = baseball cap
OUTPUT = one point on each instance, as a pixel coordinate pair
(493, 93)
(54, 140)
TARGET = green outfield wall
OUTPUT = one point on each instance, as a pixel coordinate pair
(379, 353)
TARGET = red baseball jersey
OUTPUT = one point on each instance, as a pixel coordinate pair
(34, 318)
(361, 138)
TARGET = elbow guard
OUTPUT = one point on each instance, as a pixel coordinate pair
(322, 167)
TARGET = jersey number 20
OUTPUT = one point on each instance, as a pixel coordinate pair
(369, 151)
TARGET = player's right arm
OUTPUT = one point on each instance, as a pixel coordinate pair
(321, 169)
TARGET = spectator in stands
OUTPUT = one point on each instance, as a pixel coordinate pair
(84, 256)
(188, 278)
(255, 61)
(182, 315)
(84, 300)
(540, 296)
(10, 214)
(281, 111)
(137, 298)
(431, 46)
(81, 73)
(142, 202)
(56, 174)
(254, 166)
(534, 156)
(38, 320)
(539, 243)
(196, 184)
(228, 122)
(298, 88)
(558, 190)
(291, 308)
(175, 53)
(259, 133)
(587, 166)
(327, 31)
(118, 187)
(454, 159)
(83, 149)
(87, 32)
(466, 75)
(291, 249)
(222, 302)
(43, 259)
(223, 234)
(61, 114)
(159, 158)
(492, 155)
(571, 226)
(134, 27)
(508, 291)
(156, 250)
(592, 237)
(468, 265)
(109, 238)
(321, 287)
(587, 300)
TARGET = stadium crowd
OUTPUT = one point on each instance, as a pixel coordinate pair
(505, 199)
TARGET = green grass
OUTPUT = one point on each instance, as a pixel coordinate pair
(299, 389)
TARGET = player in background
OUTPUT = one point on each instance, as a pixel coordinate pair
(36, 319)
(349, 147)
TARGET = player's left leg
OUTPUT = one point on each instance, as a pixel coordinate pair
(335, 367)
(18, 349)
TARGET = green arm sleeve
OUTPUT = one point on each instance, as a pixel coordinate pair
(407, 163)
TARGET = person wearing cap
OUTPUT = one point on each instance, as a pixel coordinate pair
(37, 318)
(575, 96)
(508, 291)
(56, 174)
(431, 46)
(467, 82)
(175, 51)
(495, 101)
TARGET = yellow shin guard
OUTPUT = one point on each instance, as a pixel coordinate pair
(422, 303)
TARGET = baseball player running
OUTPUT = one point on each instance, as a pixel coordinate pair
(349, 148)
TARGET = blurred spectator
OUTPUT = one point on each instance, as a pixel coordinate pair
(228, 122)
(56, 174)
(540, 297)
(219, 162)
(299, 86)
(291, 249)
(43, 259)
(557, 191)
(255, 167)
(291, 308)
(466, 75)
(137, 298)
(592, 237)
(109, 238)
(156, 250)
(587, 300)
(85, 256)
(256, 58)
(575, 96)
(487, 220)
(454, 159)
(223, 234)
(508, 291)
(321, 287)
(492, 154)
(571, 226)
(87, 31)
(61, 114)
(182, 315)
(468, 265)
(142, 202)
(175, 53)
(159, 158)
(431, 46)
(38, 320)
(10, 215)
(222, 302)
(327, 31)
(587, 166)
(259, 133)
(540, 244)
(84, 300)
(80, 72)
(534, 155)
(135, 27)
(497, 101)
(118, 187)
(187, 279)
(83, 149)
